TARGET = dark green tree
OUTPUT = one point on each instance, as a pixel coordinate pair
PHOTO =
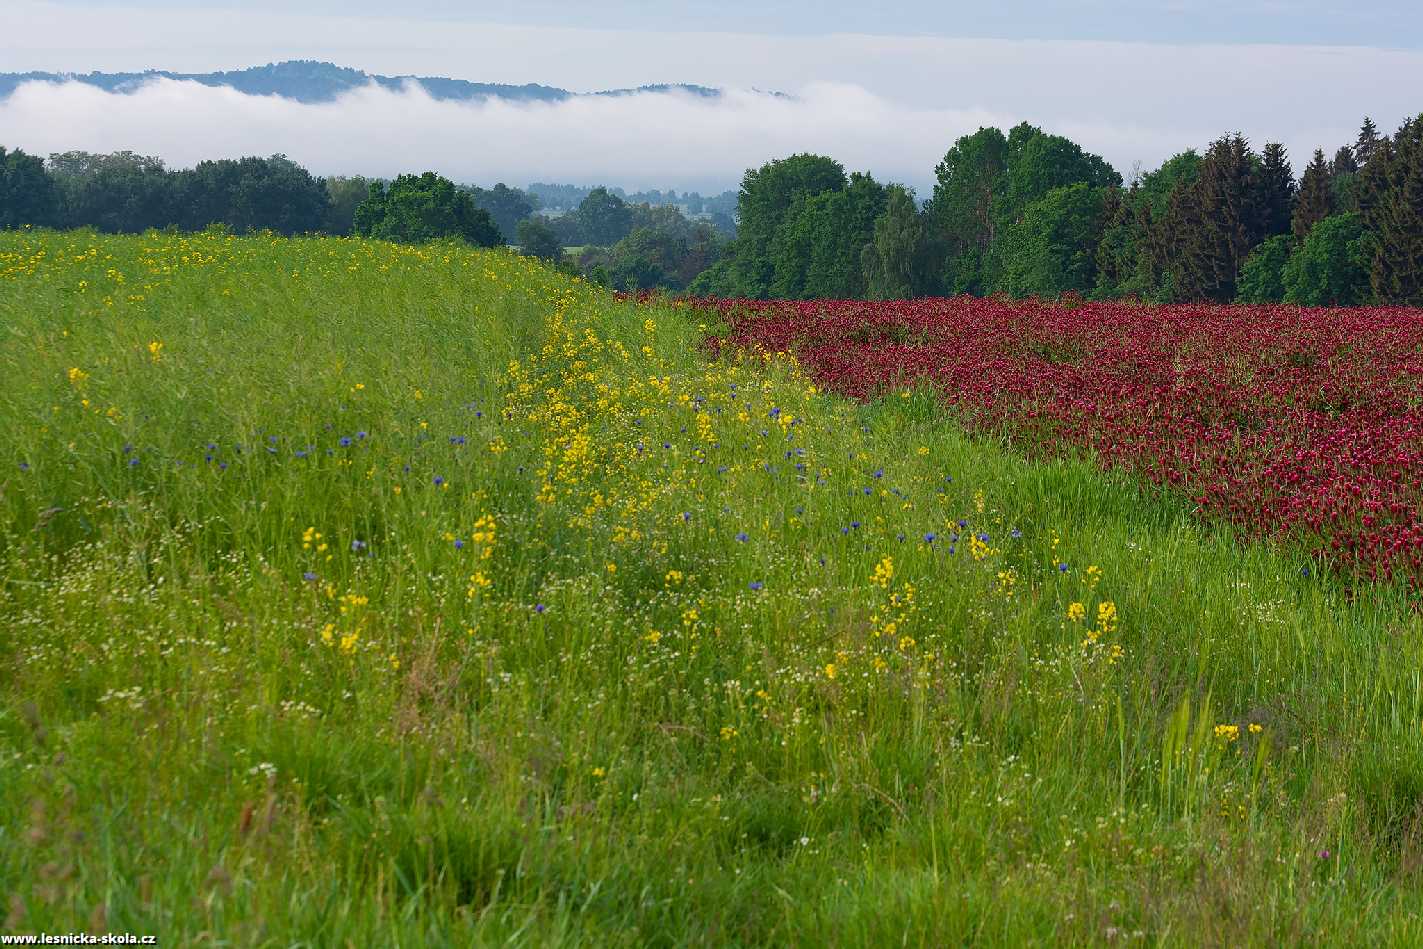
(1051, 249)
(507, 206)
(1219, 218)
(1144, 233)
(1343, 180)
(1277, 189)
(894, 261)
(346, 194)
(28, 195)
(603, 218)
(1330, 267)
(1392, 202)
(1366, 143)
(1316, 196)
(767, 196)
(1262, 276)
(419, 208)
(1038, 163)
(251, 194)
(817, 251)
(646, 259)
(961, 208)
(537, 239)
(117, 193)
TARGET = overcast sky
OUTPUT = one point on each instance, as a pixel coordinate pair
(881, 86)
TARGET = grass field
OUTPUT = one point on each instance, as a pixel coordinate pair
(353, 594)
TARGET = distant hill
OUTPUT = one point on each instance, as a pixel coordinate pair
(311, 81)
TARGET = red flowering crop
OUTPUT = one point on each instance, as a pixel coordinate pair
(1286, 421)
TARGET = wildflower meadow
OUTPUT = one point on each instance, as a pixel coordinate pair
(363, 594)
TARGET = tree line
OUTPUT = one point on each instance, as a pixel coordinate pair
(1028, 213)
(627, 245)
(1022, 213)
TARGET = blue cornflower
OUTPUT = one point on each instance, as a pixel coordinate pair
(538, 608)
(963, 523)
(308, 576)
(345, 441)
(901, 538)
(756, 584)
(868, 491)
(773, 413)
(742, 537)
(360, 435)
(929, 537)
(686, 515)
(1062, 568)
(855, 525)
(222, 466)
(127, 448)
(358, 545)
(133, 462)
(24, 466)
(439, 481)
(459, 544)
(1015, 533)
(822, 561)
(879, 473)
(666, 444)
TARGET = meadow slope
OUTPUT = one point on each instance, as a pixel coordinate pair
(354, 594)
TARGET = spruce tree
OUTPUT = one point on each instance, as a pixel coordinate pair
(1343, 163)
(1343, 179)
(1276, 190)
(1393, 217)
(1221, 218)
(1316, 198)
(1368, 142)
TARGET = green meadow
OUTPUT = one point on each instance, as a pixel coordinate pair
(360, 594)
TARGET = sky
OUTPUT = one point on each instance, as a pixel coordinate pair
(885, 87)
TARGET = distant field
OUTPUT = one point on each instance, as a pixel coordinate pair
(375, 595)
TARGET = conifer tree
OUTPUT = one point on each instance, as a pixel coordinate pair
(1344, 180)
(1316, 198)
(1368, 142)
(1393, 217)
(1276, 190)
(1221, 218)
(1344, 162)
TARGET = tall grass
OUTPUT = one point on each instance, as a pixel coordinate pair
(357, 594)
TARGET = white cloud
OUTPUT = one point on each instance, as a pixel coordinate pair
(645, 140)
